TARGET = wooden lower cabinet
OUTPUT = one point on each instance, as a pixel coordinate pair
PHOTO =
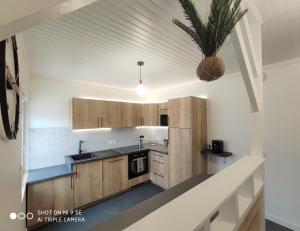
(180, 155)
(115, 175)
(48, 196)
(159, 169)
(87, 183)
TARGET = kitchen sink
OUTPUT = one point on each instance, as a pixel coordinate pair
(83, 156)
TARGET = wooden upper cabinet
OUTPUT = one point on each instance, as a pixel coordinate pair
(51, 195)
(87, 113)
(115, 175)
(112, 115)
(163, 108)
(179, 112)
(87, 183)
(150, 114)
(131, 114)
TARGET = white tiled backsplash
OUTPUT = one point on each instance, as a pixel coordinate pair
(48, 146)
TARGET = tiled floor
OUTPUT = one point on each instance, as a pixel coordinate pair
(270, 226)
(107, 209)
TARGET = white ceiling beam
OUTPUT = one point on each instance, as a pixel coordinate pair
(239, 44)
(41, 15)
(253, 57)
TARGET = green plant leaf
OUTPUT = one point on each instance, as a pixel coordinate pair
(210, 36)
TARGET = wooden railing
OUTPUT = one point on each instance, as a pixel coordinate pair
(221, 203)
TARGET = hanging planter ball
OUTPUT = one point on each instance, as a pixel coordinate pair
(211, 68)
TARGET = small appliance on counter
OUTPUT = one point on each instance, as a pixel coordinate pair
(217, 146)
(217, 149)
(140, 143)
(166, 142)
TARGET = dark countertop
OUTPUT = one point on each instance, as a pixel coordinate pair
(44, 174)
(49, 173)
(134, 214)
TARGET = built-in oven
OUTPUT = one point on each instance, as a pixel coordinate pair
(138, 164)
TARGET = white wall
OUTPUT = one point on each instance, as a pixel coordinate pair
(282, 144)
(10, 173)
(228, 115)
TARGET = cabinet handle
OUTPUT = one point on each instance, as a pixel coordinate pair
(77, 175)
(154, 154)
(115, 160)
(158, 174)
(158, 162)
(101, 121)
(98, 122)
(71, 182)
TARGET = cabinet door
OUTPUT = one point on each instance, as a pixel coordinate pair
(163, 108)
(111, 115)
(86, 113)
(179, 111)
(150, 114)
(87, 183)
(180, 155)
(51, 195)
(115, 175)
(131, 115)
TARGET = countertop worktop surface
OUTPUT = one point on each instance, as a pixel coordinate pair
(132, 215)
(49, 173)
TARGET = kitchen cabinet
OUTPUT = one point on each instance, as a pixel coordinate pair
(179, 112)
(112, 115)
(51, 195)
(131, 114)
(163, 106)
(180, 145)
(87, 113)
(159, 169)
(150, 115)
(87, 183)
(115, 175)
(187, 138)
(162, 109)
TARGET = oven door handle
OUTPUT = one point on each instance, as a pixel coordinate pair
(139, 158)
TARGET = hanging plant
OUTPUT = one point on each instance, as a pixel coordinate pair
(210, 36)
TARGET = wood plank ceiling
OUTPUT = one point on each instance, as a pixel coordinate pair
(102, 42)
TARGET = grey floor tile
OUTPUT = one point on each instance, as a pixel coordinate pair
(271, 226)
(107, 209)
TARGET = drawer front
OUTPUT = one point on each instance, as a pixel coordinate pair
(158, 167)
(159, 179)
(158, 157)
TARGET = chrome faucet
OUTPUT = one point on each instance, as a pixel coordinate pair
(80, 146)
